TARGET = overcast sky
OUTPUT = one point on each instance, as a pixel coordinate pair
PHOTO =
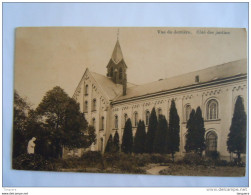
(46, 57)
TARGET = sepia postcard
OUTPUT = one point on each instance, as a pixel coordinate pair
(145, 100)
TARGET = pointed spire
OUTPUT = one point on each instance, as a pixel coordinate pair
(117, 55)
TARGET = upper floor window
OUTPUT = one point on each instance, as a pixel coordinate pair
(94, 104)
(135, 117)
(116, 122)
(94, 123)
(147, 117)
(159, 112)
(120, 73)
(102, 122)
(212, 109)
(187, 112)
(125, 117)
(86, 106)
(86, 89)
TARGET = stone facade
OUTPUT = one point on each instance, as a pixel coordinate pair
(108, 101)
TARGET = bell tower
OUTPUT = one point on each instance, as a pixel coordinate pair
(116, 68)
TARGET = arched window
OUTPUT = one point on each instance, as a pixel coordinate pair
(147, 117)
(120, 73)
(187, 112)
(116, 122)
(125, 117)
(159, 112)
(94, 123)
(111, 72)
(135, 119)
(86, 106)
(102, 122)
(94, 104)
(212, 109)
(211, 141)
(86, 89)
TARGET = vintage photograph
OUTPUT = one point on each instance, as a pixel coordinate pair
(131, 100)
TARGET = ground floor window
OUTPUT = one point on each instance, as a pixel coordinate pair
(211, 141)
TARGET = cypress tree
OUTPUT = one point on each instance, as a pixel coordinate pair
(109, 145)
(116, 142)
(127, 139)
(174, 130)
(140, 137)
(199, 132)
(236, 142)
(153, 122)
(190, 136)
(160, 140)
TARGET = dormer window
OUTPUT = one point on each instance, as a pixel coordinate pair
(197, 79)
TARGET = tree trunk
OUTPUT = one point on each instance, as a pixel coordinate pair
(173, 156)
(239, 157)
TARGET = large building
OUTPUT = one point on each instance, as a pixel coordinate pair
(108, 101)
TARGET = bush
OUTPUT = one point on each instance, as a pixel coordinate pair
(192, 158)
(142, 159)
(160, 158)
(92, 157)
(32, 162)
(111, 158)
(214, 155)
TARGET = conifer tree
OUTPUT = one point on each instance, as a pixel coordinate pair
(140, 137)
(109, 145)
(160, 140)
(195, 138)
(174, 130)
(152, 128)
(199, 132)
(190, 136)
(127, 139)
(236, 142)
(116, 142)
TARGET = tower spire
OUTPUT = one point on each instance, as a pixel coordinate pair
(118, 35)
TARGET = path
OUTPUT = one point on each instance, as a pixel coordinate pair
(155, 170)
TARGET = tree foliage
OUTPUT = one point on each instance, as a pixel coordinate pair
(20, 118)
(63, 123)
(236, 142)
(152, 128)
(195, 138)
(109, 145)
(127, 139)
(160, 140)
(116, 142)
(173, 143)
(140, 137)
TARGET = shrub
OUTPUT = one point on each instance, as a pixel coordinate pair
(221, 163)
(32, 162)
(142, 159)
(111, 158)
(192, 158)
(160, 158)
(214, 155)
(92, 157)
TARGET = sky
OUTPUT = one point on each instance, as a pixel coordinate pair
(58, 56)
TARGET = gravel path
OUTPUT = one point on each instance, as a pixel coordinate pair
(155, 170)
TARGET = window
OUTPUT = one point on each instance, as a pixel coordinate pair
(94, 123)
(147, 117)
(187, 112)
(135, 119)
(111, 72)
(102, 122)
(125, 117)
(86, 90)
(120, 73)
(211, 142)
(159, 112)
(86, 106)
(94, 104)
(116, 122)
(212, 109)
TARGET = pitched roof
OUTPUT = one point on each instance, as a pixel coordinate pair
(117, 55)
(111, 89)
(209, 74)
